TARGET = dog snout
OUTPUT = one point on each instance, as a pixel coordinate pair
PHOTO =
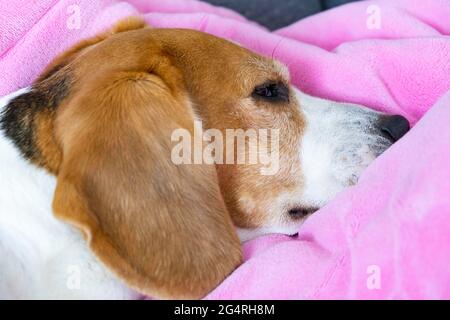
(393, 127)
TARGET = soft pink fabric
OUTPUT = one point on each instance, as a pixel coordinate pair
(397, 219)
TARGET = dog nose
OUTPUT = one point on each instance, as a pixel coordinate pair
(393, 127)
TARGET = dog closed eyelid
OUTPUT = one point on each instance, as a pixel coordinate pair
(271, 92)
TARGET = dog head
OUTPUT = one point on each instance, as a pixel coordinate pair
(102, 118)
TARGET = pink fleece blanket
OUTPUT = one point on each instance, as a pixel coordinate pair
(387, 237)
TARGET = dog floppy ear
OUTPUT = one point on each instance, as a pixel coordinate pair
(162, 228)
(28, 119)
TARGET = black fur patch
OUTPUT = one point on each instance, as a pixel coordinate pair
(18, 120)
(51, 72)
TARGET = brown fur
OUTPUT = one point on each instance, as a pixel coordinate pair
(164, 229)
(127, 24)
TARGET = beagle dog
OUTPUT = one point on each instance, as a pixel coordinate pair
(91, 205)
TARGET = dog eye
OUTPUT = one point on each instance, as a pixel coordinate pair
(298, 212)
(272, 92)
